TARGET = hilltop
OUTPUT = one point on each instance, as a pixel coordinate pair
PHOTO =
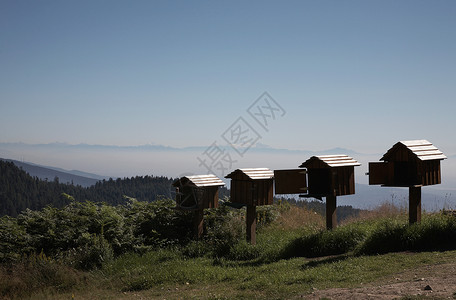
(19, 190)
(47, 173)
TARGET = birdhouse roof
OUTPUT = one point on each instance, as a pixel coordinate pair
(422, 149)
(199, 181)
(251, 174)
(331, 161)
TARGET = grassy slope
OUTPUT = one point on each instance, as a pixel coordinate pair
(264, 271)
(164, 275)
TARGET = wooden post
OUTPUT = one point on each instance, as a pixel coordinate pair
(414, 204)
(251, 224)
(331, 217)
(198, 218)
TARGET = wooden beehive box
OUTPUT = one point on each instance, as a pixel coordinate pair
(197, 192)
(251, 187)
(408, 163)
(330, 175)
(291, 181)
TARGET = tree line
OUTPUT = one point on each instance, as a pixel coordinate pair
(19, 190)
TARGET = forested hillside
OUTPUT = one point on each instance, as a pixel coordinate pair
(18, 190)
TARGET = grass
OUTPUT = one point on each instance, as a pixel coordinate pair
(164, 274)
(291, 258)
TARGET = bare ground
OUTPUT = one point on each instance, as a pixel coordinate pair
(432, 281)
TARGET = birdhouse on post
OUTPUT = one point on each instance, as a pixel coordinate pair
(251, 187)
(197, 193)
(330, 176)
(325, 176)
(411, 164)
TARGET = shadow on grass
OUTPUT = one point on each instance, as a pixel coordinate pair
(323, 261)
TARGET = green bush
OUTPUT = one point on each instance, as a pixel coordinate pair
(14, 240)
(86, 235)
(223, 229)
(386, 237)
(95, 251)
(337, 241)
(224, 234)
(158, 223)
(435, 232)
(267, 214)
(93, 230)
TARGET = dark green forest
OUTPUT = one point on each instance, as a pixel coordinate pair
(19, 190)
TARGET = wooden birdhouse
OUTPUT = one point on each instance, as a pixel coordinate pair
(325, 176)
(411, 164)
(406, 164)
(197, 193)
(330, 175)
(251, 187)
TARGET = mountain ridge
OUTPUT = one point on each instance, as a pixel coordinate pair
(75, 177)
(260, 148)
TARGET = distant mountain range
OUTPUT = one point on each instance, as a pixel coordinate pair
(65, 176)
(153, 147)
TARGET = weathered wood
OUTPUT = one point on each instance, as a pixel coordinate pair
(323, 161)
(331, 217)
(411, 150)
(378, 173)
(290, 181)
(251, 173)
(197, 192)
(414, 204)
(252, 186)
(408, 163)
(251, 224)
(330, 175)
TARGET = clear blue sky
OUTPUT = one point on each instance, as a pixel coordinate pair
(354, 74)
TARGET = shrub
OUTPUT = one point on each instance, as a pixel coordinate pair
(92, 254)
(223, 229)
(435, 232)
(85, 233)
(266, 215)
(14, 240)
(158, 223)
(386, 237)
(338, 241)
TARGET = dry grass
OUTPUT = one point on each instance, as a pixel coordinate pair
(296, 217)
(23, 279)
(385, 210)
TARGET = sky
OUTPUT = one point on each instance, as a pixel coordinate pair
(360, 75)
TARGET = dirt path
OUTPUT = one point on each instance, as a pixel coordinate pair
(433, 281)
